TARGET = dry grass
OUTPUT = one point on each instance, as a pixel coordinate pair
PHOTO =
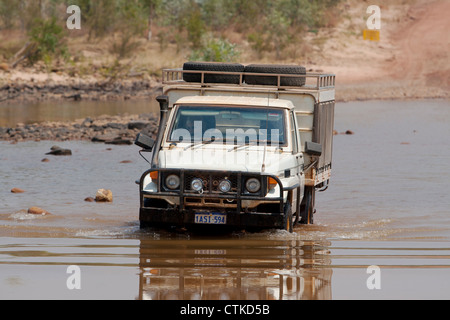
(337, 47)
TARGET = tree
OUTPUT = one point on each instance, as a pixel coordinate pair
(130, 25)
(46, 41)
(277, 30)
(151, 7)
(8, 13)
(195, 26)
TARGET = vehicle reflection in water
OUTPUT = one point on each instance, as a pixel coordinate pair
(234, 270)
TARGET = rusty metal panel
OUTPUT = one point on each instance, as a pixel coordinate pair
(323, 134)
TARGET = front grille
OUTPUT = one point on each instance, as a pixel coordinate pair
(211, 180)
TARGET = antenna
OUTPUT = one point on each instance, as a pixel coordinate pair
(263, 166)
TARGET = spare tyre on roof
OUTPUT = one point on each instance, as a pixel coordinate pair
(212, 66)
(276, 69)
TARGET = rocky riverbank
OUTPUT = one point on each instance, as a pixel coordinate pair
(104, 129)
(21, 91)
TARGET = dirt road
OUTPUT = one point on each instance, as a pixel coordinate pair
(410, 61)
(422, 46)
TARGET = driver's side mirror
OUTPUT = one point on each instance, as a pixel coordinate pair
(313, 149)
(144, 142)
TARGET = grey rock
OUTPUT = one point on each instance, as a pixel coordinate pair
(57, 151)
(137, 124)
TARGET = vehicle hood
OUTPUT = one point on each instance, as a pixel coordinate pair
(246, 159)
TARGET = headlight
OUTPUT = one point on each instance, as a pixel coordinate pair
(225, 186)
(253, 185)
(172, 182)
(197, 184)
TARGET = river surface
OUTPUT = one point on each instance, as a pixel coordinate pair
(37, 112)
(387, 207)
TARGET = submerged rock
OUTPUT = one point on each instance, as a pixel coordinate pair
(120, 141)
(57, 151)
(104, 195)
(112, 139)
(105, 137)
(38, 211)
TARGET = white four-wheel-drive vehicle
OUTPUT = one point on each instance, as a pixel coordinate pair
(238, 146)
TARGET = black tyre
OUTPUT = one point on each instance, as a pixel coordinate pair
(307, 207)
(212, 66)
(297, 209)
(273, 80)
(288, 223)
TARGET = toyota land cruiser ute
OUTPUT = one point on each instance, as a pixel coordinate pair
(238, 146)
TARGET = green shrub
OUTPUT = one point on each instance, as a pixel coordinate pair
(218, 50)
(46, 41)
(195, 28)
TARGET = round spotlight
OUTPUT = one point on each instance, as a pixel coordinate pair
(172, 182)
(197, 184)
(225, 186)
(253, 185)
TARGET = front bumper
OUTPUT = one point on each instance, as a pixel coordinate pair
(158, 217)
(182, 213)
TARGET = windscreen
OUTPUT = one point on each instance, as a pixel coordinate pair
(230, 125)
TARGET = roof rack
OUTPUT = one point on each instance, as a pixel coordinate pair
(313, 81)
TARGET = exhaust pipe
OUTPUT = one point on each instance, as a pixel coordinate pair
(163, 112)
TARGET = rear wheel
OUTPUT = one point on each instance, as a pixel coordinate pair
(307, 207)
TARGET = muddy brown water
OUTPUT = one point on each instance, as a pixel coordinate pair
(30, 113)
(387, 206)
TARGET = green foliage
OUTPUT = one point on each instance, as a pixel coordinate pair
(278, 33)
(269, 26)
(195, 27)
(201, 26)
(46, 37)
(217, 14)
(218, 50)
(8, 12)
(98, 15)
(258, 43)
(130, 26)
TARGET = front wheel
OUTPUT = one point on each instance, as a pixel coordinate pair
(307, 207)
(288, 216)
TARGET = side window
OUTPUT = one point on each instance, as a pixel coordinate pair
(293, 133)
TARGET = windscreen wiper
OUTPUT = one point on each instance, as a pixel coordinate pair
(244, 145)
(201, 143)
